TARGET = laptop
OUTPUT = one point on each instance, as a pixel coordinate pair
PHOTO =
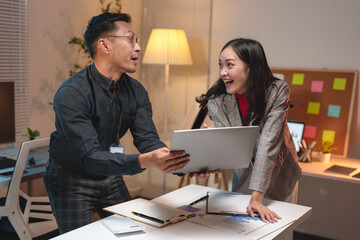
(297, 132)
(216, 148)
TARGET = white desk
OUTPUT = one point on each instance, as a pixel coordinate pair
(188, 229)
(317, 169)
(333, 197)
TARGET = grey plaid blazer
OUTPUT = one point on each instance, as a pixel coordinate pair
(275, 164)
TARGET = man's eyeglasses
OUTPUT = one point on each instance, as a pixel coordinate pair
(133, 39)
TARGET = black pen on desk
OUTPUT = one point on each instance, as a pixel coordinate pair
(148, 217)
(225, 213)
(199, 200)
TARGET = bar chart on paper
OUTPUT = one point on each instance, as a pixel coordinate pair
(242, 227)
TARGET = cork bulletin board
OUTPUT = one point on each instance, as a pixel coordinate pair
(323, 100)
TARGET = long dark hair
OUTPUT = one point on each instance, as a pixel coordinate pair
(260, 78)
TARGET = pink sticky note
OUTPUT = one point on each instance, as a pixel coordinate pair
(317, 86)
(310, 131)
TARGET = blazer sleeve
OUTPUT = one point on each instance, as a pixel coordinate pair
(271, 137)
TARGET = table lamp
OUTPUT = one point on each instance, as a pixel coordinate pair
(168, 47)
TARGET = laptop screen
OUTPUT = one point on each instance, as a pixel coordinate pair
(297, 131)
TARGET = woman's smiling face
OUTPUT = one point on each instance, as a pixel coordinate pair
(233, 71)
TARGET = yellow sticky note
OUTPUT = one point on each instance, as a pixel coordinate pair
(298, 79)
(328, 135)
(339, 84)
(313, 108)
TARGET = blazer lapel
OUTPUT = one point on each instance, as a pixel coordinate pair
(231, 111)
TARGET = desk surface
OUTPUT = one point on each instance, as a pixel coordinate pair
(188, 229)
(31, 173)
(317, 169)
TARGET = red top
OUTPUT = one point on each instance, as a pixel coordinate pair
(244, 106)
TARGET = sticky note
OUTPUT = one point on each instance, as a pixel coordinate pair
(339, 84)
(313, 108)
(328, 135)
(310, 131)
(298, 79)
(317, 86)
(334, 111)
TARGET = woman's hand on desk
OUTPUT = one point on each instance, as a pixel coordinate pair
(256, 205)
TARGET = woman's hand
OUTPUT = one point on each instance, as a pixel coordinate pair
(256, 206)
(205, 125)
(204, 174)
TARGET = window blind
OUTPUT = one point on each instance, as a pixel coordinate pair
(14, 61)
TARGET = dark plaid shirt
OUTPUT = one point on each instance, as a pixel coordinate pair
(87, 122)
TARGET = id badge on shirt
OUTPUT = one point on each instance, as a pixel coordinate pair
(116, 148)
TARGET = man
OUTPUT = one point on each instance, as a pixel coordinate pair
(94, 109)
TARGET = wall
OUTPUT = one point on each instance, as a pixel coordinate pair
(297, 34)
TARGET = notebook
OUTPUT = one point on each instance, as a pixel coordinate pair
(216, 148)
(340, 169)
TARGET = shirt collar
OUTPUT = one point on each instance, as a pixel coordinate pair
(105, 82)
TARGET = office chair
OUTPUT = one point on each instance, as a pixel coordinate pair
(36, 207)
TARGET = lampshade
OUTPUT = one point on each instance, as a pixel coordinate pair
(167, 46)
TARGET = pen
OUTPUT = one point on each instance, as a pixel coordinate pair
(304, 144)
(148, 217)
(199, 200)
(233, 214)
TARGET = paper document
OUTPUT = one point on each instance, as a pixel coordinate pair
(152, 213)
(242, 227)
(245, 226)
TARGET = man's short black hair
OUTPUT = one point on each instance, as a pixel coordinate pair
(100, 25)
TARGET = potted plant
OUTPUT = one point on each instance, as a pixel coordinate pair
(32, 134)
(326, 151)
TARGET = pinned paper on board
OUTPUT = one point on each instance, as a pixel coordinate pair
(334, 111)
(317, 86)
(298, 79)
(310, 132)
(328, 135)
(339, 84)
(323, 99)
(313, 108)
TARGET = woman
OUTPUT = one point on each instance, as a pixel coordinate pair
(247, 93)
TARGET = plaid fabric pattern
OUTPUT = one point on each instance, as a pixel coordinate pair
(275, 170)
(73, 198)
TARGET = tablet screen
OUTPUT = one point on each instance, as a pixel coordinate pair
(297, 131)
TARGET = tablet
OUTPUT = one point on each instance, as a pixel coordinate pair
(297, 132)
(216, 148)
